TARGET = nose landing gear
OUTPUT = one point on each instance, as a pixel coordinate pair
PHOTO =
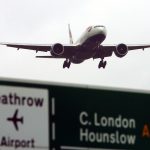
(102, 64)
(67, 63)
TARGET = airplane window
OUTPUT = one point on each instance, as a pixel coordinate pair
(89, 28)
(98, 26)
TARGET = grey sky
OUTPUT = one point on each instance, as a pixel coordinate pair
(45, 21)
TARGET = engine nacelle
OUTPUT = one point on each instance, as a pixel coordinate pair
(121, 50)
(57, 49)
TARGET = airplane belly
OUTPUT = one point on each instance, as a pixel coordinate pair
(81, 56)
(87, 51)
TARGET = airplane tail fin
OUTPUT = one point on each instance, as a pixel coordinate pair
(70, 35)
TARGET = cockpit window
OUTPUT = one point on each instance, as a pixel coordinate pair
(89, 28)
(98, 26)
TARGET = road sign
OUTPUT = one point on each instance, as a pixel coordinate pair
(23, 118)
(63, 117)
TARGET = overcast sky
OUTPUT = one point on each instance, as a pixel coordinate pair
(45, 21)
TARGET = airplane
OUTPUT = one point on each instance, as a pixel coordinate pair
(89, 45)
(15, 120)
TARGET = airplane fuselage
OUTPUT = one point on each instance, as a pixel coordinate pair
(89, 42)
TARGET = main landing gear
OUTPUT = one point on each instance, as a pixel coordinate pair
(102, 64)
(67, 63)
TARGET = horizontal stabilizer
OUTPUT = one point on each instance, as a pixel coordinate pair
(44, 57)
(47, 57)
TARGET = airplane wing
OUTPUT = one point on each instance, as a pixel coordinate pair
(69, 50)
(43, 48)
(107, 50)
(130, 47)
(16, 125)
(135, 47)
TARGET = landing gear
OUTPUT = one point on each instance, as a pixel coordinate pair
(102, 64)
(67, 63)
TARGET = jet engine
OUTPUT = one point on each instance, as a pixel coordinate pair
(121, 50)
(57, 49)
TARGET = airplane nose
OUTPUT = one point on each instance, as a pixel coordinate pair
(102, 30)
